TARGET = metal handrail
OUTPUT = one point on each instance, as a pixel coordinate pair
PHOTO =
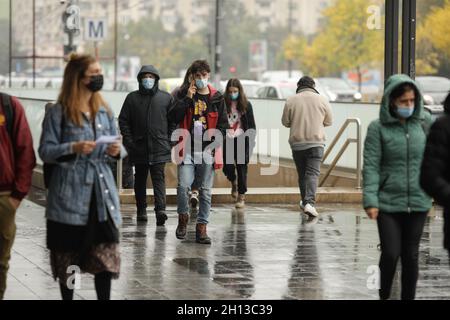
(358, 141)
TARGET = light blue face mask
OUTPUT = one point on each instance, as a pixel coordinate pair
(234, 96)
(201, 83)
(148, 83)
(405, 112)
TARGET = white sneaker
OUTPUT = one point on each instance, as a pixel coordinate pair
(310, 210)
(302, 206)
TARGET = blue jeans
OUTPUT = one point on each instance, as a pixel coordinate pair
(186, 174)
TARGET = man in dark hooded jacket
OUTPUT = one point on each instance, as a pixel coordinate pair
(435, 173)
(146, 135)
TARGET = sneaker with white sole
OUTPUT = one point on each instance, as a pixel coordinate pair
(194, 199)
(240, 203)
(302, 206)
(310, 210)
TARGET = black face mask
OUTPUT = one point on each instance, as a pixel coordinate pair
(96, 83)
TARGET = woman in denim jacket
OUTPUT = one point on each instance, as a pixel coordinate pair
(83, 210)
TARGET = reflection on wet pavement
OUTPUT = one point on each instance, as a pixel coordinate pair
(262, 252)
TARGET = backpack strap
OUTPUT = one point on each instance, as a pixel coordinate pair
(9, 113)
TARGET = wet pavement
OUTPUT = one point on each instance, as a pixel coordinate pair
(262, 252)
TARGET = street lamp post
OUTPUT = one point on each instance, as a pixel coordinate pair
(391, 38)
(71, 20)
(409, 38)
(291, 7)
(218, 48)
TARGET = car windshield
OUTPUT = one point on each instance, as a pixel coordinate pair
(335, 84)
(434, 84)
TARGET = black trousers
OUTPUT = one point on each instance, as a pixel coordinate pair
(400, 235)
(127, 174)
(230, 169)
(159, 185)
(242, 170)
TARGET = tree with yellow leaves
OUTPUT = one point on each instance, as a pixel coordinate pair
(437, 25)
(433, 38)
(346, 41)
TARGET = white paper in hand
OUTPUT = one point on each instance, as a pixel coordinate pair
(107, 139)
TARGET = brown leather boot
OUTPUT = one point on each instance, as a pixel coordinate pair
(200, 234)
(182, 224)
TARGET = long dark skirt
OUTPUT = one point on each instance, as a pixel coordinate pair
(93, 248)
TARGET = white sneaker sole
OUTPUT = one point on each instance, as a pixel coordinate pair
(311, 214)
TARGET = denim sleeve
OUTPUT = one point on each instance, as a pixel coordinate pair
(50, 147)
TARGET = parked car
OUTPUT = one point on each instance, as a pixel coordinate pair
(436, 111)
(339, 90)
(281, 75)
(280, 90)
(283, 90)
(434, 89)
(250, 87)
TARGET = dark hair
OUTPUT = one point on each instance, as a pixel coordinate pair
(186, 84)
(200, 66)
(400, 91)
(306, 81)
(242, 102)
(196, 66)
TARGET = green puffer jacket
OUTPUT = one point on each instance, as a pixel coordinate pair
(393, 155)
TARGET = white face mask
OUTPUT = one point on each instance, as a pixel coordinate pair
(405, 112)
(148, 83)
(201, 83)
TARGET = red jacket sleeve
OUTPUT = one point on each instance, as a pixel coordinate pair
(24, 157)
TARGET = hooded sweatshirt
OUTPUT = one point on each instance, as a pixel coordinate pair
(144, 124)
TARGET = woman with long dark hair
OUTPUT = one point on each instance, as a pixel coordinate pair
(83, 208)
(393, 153)
(239, 141)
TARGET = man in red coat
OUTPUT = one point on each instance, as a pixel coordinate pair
(17, 161)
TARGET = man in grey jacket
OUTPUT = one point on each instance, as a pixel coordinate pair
(307, 114)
